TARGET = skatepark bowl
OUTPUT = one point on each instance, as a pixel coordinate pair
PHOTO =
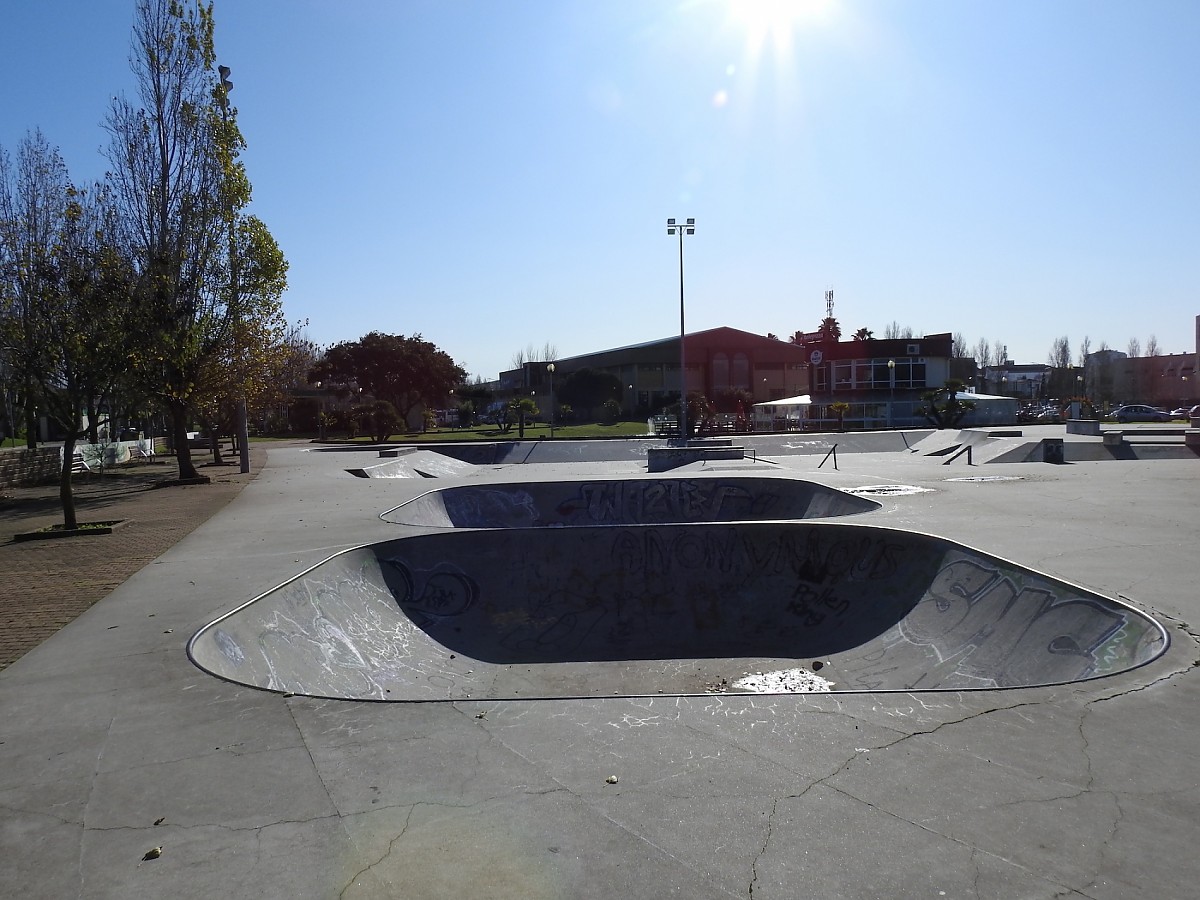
(636, 608)
(640, 501)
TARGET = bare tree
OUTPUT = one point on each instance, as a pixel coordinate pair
(1060, 354)
(959, 349)
(1135, 347)
(1152, 348)
(983, 353)
(1085, 349)
(894, 331)
(531, 354)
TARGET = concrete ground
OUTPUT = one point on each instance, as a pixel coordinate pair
(113, 745)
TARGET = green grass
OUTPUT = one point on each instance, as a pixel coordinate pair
(533, 432)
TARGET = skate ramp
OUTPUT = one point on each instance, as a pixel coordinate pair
(412, 463)
(640, 501)
(597, 611)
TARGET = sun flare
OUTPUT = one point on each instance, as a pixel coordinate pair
(776, 21)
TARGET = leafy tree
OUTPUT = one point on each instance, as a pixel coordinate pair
(525, 409)
(405, 371)
(471, 399)
(588, 388)
(381, 421)
(465, 412)
(942, 407)
(32, 198)
(73, 285)
(700, 412)
(250, 364)
(171, 170)
(733, 402)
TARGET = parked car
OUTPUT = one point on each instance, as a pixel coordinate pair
(1186, 412)
(1139, 412)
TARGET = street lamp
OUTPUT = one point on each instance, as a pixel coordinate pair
(550, 369)
(689, 226)
(320, 414)
(243, 427)
(891, 389)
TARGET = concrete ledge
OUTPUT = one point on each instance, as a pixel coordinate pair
(1161, 431)
(1191, 437)
(1113, 438)
(661, 459)
(1083, 426)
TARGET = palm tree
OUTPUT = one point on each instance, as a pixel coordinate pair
(830, 329)
(864, 334)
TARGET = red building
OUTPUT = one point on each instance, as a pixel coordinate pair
(882, 380)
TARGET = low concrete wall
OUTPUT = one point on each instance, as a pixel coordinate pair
(22, 466)
(662, 459)
(1083, 426)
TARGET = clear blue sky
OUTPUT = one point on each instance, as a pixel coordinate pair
(497, 173)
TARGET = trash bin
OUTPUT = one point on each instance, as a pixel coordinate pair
(1052, 450)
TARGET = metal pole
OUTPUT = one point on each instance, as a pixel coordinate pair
(690, 226)
(550, 369)
(892, 389)
(683, 432)
(243, 425)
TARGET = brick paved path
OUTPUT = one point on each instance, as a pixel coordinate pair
(45, 584)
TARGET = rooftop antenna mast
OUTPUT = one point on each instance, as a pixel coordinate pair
(829, 304)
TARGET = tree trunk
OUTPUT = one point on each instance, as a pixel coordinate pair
(183, 451)
(93, 430)
(65, 494)
(30, 420)
(214, 441)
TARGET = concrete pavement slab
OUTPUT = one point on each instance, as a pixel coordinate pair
(1087, 790)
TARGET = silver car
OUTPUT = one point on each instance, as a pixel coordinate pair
(1139, 412)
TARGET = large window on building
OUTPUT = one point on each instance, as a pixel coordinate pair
(739, 375)
(719, 372)
(875, 374)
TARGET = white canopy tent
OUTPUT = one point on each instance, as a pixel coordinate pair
(792, 409)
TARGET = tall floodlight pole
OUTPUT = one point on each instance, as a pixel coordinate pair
(892, 393)
(689, 226)
(243, 427)
(550, 369)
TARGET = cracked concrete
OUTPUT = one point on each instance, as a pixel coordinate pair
(1079, 791)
